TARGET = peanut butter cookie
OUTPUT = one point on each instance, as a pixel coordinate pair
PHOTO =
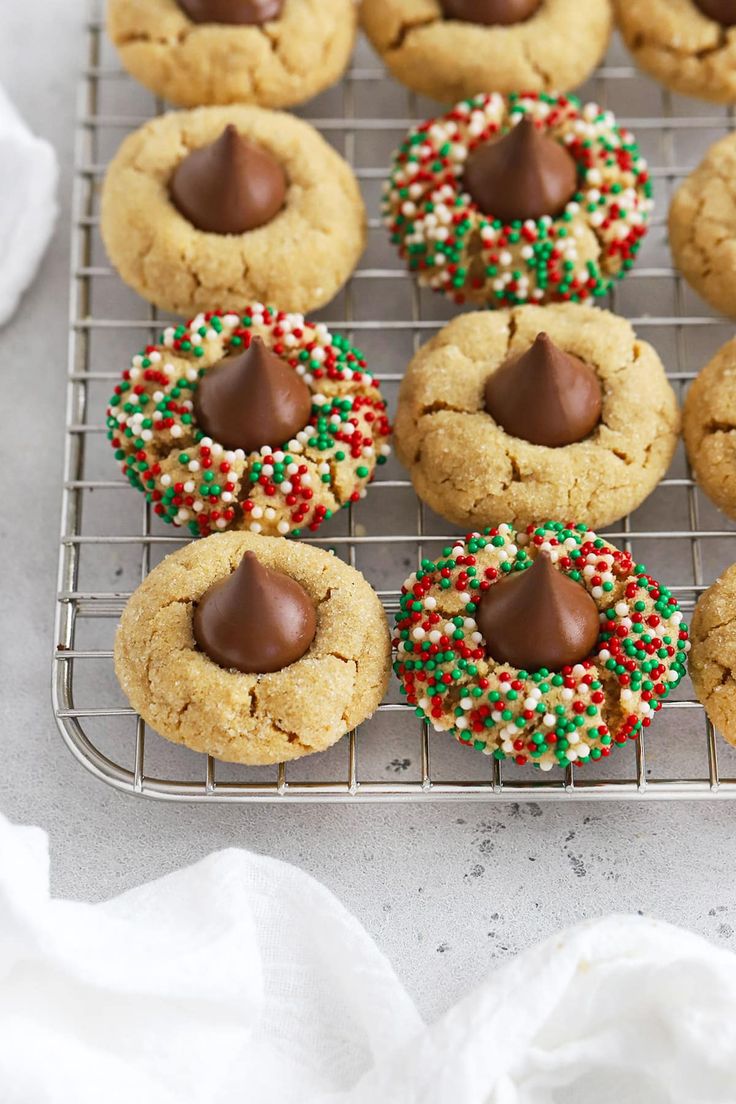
(713, 656)
(709, 428)
(194, 53)
(450, 49)
(222, 206)
(688, 45)
(495, 421)
(702, 226)
(255, 603)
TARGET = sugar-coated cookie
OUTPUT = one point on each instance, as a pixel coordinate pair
(449, 49)
(713, 655)
(199, 52)
(286, 708)
(709, 428)
(215, 208)
(702, 227)
(491, 425)
(688, 45)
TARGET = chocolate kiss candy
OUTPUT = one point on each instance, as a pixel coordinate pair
(538, 617)
(230, 186)
(256, 620)
(232, 11)
(545, 396)
(523, 175)
(722, 11)
(252, 400)
(490, 12)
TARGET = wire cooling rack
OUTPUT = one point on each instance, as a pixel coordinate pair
(110, 540)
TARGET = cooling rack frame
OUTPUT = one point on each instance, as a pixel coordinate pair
(75, 602)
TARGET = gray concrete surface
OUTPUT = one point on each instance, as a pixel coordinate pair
(447, 890)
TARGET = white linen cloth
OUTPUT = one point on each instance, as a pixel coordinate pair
(28, 207)
(241, 979)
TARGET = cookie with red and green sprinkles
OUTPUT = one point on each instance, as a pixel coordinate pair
(485, 255)
(544, 717)
(194, 481)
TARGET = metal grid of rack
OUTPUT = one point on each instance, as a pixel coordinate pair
(110, 540)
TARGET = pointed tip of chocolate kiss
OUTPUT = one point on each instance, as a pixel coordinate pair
(230, 186)
(251, 400)
(230, 138)
(233, 12)
(523, 175)
(491, 12)
(538, 618)
(256, 620)
(544, 341)
(545, 396)
(721, 11)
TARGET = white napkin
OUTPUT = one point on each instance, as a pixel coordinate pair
(28, 207)
(241, 979)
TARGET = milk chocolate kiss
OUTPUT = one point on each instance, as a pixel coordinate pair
(545, 396)
(230, 186)
(247, 12)
(538, 617)
(722, 11)
(489, 12)
(523, 175)
(256, 620)
(252, 400)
